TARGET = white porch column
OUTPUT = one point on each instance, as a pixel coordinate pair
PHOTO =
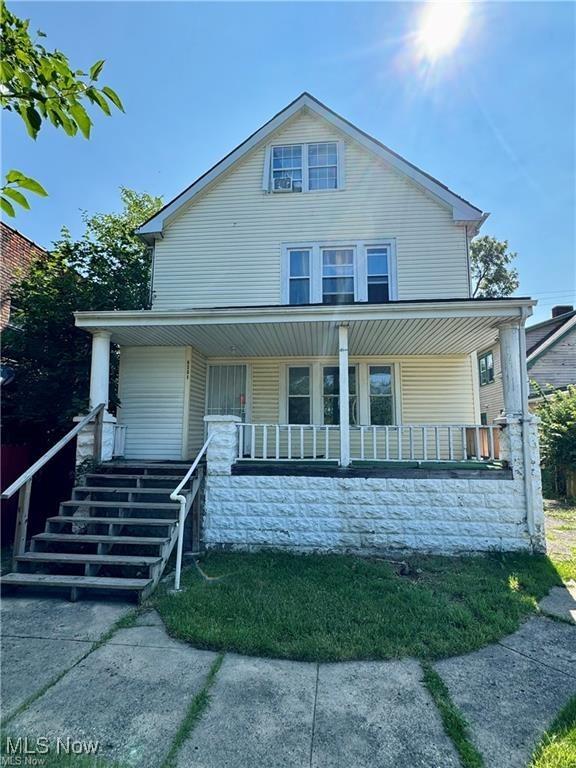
(100, 369)
(511, 369)
(223, 448)
(344, 396)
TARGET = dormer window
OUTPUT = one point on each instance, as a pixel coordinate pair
(304, 167)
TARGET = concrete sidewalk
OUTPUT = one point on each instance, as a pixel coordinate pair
(132, 692)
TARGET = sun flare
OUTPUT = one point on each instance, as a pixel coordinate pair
(441, 28)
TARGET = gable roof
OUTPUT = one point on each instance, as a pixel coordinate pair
(462, 210)
(549, 341)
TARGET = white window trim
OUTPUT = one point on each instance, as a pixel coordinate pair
(340, 165)
(360, 266)
(362, 388)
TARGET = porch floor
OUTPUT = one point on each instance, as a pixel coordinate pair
(391, 469)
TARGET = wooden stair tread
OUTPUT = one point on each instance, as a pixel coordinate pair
(116, 489)
(125, 504)
(90, 582)
(71, 557)
(88, 538)
(111, 476)
(113, 520)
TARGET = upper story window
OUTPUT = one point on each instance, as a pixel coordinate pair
(304, 167)
(339, 273)
(486, 368)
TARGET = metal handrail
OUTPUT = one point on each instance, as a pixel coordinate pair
(31, 471)
(184, 509)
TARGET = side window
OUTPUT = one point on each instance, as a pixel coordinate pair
(486, 368)
(381, 397)
(378, 274)
(299, 277)
(299, 395)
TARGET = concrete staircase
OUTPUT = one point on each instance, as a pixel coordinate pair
(116, 533)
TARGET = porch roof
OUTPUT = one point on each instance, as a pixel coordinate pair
(439, 327)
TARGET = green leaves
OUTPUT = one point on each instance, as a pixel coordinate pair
(41, 87)
(10, 191)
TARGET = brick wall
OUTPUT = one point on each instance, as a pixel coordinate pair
(17, 252)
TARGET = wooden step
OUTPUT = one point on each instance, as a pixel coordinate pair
(72, 519)
(110, 476)
(79, 538)
(122, 504)
(73, 558)
(125, 489)
(82, 582)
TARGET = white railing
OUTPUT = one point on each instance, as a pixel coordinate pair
(24, 482)
(407, 442)
(119, 440)
(288, 442)
(186, 499)
(425, 442)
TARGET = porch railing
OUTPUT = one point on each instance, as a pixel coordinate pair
(406, 442)
(288, 442)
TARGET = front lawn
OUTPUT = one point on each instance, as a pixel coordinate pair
(557, 749)
(338, 607)
(561, 537)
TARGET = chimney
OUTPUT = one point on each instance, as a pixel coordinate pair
(561, 309)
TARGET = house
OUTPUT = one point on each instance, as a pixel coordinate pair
(18, 252)
(313, 343)
(550, 357)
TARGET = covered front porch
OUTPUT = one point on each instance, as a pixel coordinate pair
(394, 383)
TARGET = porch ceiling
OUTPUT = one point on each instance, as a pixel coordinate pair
(402, 328)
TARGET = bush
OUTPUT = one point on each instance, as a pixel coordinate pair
(558, 436)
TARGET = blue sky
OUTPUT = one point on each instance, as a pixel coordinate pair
(495, 121)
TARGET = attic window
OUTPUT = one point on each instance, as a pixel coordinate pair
(304, 167)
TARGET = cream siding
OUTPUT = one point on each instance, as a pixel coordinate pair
(224, 248)
(197, 406)
(151, 391)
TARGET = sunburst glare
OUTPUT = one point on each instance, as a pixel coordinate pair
(441, 28)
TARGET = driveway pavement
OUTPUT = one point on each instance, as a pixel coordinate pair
(133, 691)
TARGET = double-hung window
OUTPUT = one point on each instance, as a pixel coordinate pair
(303, 167)
(299, 276)
(378, 275)
(323, 166)
(486, 368)
(299, 395)
(331, 394)
(381, 403)
(287, 168)
(337, 275)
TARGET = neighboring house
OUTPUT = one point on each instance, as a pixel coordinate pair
(312, 317)
(550, 356)
(17, 253)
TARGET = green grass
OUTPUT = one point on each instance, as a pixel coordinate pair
(557, 748)
(338, 607)
(454, 723)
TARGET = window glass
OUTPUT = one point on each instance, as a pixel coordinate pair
(486, 368)
(299, 278)
(299, 410)
(287, 164)
(381, 405)
(323, 166)
(337, 276)
(378, 278)
(331, 394)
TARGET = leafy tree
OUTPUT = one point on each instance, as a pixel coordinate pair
(39, 86)
(492, 275)
(558, 434)
(108, 268)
